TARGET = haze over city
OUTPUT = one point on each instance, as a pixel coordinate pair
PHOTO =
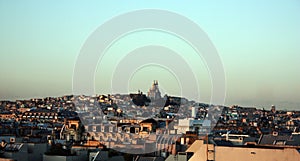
(258, 43)
(149, 80)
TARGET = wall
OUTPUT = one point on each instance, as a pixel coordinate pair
(251, 154)
(28, 152)
(37, 151)
(4, 159)
(54, 158)
(223, 153)
(62, 158)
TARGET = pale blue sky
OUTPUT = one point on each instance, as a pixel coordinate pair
(258, 42)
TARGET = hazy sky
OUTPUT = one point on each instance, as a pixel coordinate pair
(257, 41)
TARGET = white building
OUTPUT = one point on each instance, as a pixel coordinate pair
(194, 112)
(190, 124)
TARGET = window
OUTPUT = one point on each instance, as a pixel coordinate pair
(279, 142)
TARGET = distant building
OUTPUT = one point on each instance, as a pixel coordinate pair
(71, 130)
(154, 93)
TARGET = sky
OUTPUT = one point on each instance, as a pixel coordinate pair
(257, 42)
